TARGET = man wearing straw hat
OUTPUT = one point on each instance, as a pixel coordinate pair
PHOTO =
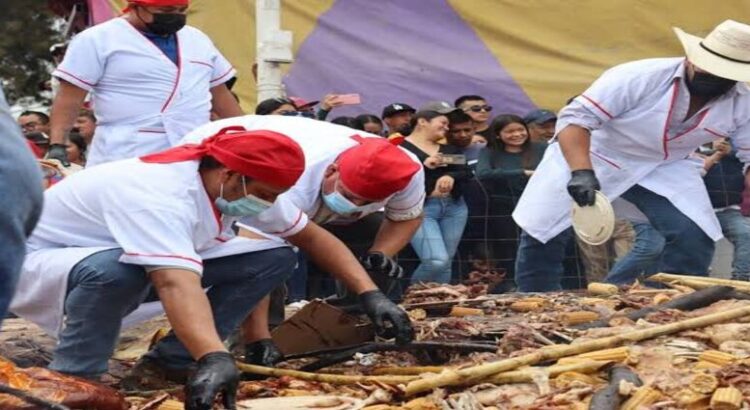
(628, 135)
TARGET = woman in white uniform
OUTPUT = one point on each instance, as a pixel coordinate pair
(628, 135)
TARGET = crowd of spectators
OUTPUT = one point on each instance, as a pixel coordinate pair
(476, 167)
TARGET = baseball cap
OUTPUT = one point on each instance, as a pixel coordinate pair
(440, 107)
(539, 116)
(395, 108)
(301, 103)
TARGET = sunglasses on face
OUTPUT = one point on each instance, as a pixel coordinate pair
(479, 108)
(305, 114)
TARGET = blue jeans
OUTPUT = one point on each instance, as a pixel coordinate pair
(737, 231)
(20, 203)
(436, 240)
(643, 258)
(102, 291)
(687, 249)
(539, 266)
(296, 285)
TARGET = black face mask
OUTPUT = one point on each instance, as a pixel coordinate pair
(708, 85)
(166, 23)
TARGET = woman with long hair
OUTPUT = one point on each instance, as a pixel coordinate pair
(445, 212)
(504, 168)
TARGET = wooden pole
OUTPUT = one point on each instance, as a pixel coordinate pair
(700, 282)
(480, 372)
(323, 377)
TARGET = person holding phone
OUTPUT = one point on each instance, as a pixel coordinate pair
(446, 172)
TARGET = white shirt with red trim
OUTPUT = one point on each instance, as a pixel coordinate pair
(158, 214)
(639, 135)
(144, 102)
(322, 142)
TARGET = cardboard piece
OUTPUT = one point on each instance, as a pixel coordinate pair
(320, 326)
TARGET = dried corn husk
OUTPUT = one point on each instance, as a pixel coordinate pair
(604, 289)
(460, 311)
(643, 397)
(526, 306)
(727, 398)
(556, 352)
(576, 318)
(617, 354)
(703, 383)
(171, 405)
(717, 357)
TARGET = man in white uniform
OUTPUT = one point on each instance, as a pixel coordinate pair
(347, 180)
(152, 78)
(109, 237)
(628, 135)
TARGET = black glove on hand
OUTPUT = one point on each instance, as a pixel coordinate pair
(58, 152)
(216, 373)
(378, 264)
(263, 353)
(582, 185)
(380, 309)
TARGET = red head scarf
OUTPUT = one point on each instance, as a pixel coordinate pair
(267, 156)
(376, 169)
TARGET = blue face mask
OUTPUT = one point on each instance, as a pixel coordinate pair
(249, 205)
(339, 204)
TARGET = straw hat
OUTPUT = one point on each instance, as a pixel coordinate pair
(725, 52)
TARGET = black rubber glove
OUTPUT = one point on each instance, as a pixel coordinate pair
(263, 353)
(582, 185)
(380, 309)
(58, 152)
(376, 263)
(216, 373)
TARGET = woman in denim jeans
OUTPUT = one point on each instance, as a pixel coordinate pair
(445, 211)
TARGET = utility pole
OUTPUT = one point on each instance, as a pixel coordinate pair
(273, 48)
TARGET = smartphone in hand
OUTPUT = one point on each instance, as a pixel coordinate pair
(453, 159)
(349, 99)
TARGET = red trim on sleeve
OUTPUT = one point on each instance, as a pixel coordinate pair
(299, 217)
(421, 199)
(710, 131)
(605, 160)
(165, 256)
(223, 75)
(597, 105)
(201, 63)
(74, 76)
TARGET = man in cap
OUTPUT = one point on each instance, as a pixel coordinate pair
(541, 124)
(160, 225)
(347, 181)
(153, 80)
(397, 117)
(629, 135)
